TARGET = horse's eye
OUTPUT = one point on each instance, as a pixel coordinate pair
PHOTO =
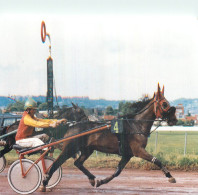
(164, 105)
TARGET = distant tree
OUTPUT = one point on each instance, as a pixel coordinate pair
(116, 111)
(121, 106)
(101, 112)
(89, 111)
(180, 122)
(64, 106)
(56, 107)
(126, 108)
(189, 123)
(109, 110)
(15, 107)
(85, 110)
(43, 106)
(38, 103)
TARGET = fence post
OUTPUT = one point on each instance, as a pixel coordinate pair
(156, 139)
(185, 144)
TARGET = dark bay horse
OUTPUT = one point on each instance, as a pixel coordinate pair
(74, 113)
(137, 129)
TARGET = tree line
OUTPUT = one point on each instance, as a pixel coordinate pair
(123, 108)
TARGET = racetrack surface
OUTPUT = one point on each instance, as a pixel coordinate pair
(129, 182)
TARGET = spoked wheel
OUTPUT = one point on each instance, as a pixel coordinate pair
(27, 184)
(57, 175)
(2, 163)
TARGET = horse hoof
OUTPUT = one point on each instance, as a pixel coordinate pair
(42, 189)
(172, 180)
(92, 182)
(98, 183)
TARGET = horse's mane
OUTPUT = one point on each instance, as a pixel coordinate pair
(63, 110)
(136, 107)
(140, 104)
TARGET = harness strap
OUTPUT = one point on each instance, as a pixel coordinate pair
(121, 143)
(155, 128)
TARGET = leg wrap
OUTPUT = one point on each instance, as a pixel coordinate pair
(166, 172)
(156, 162)
(46, 180)
(153, 159)
(159, 164)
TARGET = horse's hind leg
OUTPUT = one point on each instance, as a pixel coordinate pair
(121, 165)
(142, 153)
(79, 164)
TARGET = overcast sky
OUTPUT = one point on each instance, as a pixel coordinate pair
(112, 49)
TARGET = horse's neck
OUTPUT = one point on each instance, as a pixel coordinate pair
(147, 119)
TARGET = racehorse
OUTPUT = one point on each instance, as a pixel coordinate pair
(137, 129)
(74, 113)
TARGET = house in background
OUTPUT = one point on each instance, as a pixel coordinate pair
(186, 118)
(180, 111)
(192, 118)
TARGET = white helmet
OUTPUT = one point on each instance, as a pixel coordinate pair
(30, 103)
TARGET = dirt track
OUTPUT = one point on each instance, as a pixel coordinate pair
(129, 182)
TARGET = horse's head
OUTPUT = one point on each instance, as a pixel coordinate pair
(74, 113)
(163, 109)
(79, 113)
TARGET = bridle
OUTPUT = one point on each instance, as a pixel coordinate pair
(162, 108)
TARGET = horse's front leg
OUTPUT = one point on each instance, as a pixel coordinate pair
(67, 153)
(124, 160)
(142, 153)
(79, 164)
(5, 150)
(164, 169)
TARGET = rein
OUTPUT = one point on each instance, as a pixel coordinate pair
(155, 128)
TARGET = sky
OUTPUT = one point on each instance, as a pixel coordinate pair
(111, 49)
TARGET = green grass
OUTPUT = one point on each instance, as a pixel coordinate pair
(173, 143)
(170, 150)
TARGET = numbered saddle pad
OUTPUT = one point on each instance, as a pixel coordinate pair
(117, 126)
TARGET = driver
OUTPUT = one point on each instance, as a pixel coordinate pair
(28, 122)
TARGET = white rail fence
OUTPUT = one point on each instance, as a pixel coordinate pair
(175, 129)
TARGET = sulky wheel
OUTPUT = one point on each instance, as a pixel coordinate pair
(2, 163)
(57, 175)
(27, 184)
